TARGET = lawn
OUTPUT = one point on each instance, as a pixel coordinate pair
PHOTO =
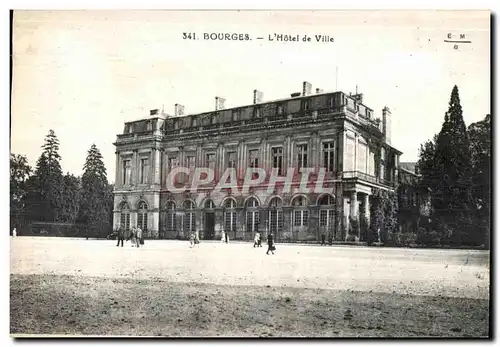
(91, 287)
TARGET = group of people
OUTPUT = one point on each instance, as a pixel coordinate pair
(194, 239)
(135, 236)
(257, 242)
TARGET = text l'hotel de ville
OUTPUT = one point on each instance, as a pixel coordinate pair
(276, 37)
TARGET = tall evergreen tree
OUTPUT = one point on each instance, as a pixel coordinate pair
(480, 143)
(94, 207)
(19, 174)
(451, 199)
(45, 196)
(70, 202)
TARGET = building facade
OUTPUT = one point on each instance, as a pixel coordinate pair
(331, 138)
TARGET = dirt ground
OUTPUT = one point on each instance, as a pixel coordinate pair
(79, 287)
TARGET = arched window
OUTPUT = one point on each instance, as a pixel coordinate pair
(125, 215)
(275, 216)
(170, 222)
(142, 216)
(230, 215)
(252, 215)
(189, 222)
(209, 204)
(300, 211)
(327, 211)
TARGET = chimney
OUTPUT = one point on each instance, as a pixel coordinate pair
(294, 95)
(154, 112)
(219, 103)
(306, 88)
(179, 110)
(386, 124)
(258, 96)
(319, 91)
(358, 98)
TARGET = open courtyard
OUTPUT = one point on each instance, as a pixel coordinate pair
(91, 287)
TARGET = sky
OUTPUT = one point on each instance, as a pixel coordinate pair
(84, 73)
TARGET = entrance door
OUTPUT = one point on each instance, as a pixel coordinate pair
(209, 225)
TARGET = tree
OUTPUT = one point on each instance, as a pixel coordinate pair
(94, 207)
(45, 196)
(383, 216)
(19, 174)
(480, 144)
(70, 202)
(451, 198)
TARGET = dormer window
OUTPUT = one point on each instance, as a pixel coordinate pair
(280, 110)
(306, 104)
(256, 112)
(331, 102)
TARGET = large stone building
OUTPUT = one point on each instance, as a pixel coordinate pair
(334, 132)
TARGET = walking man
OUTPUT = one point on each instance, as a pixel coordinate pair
(120, 236)
(270, 244)
(323, 239)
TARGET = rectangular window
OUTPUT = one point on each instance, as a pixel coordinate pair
(170, 221)
(230, 221)
(190, 161)
(302, 155)
(277, 153)
(275, 222)
(252, 221)
(253, 158)
(172, 163)
(362, 157)
(328, 156)
(142, 221)
(210, 160)
(300, 218)
(189, 221)
(127, 170)
(231, 160)
(349, 155)
(326, 218)
(125, 220)
(144, 170)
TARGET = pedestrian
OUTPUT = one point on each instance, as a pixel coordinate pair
(260, 240)
(197, 238)
(223, 237)
(323, 239)
(256, 240)
(138, 237)
(132, 237)
(226, 237)
(120, 236)
(14, 232)
(270, 244)
(191, 240)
